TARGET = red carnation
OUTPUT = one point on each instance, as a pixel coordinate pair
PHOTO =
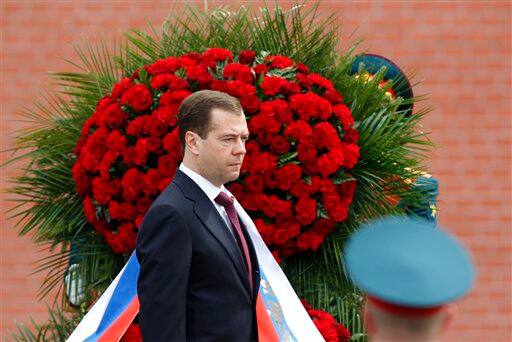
(121, 211)
(325, 136)
(153, 144)
(246, 56)
(271, 181)
(347, 189)
(170, 81)
(254, 183)
(351, 136)
(273, 85)
(120, 88)
(344, 115)
(305, 210)
(262, 123)
(138, 97)
(199, 74)
(327, 325)
(132, 183)
(320, 81)
(211, 56)
(171, 98)
(282, 111)
(300, 188)
(166, 114)
(106, 164)
(137, 125)
(151, 182)
(279, 62)
(155, 127)
(343, 333)
(171, 141)
(260, 69)
(167, 165)
(279, 145)
(299, 130)
(89, 209)
(250, 103)
(101, 191)
(103, 103)
(265, 230)
(113, 116)
(287, 175)
(332, 96)
(275, 254)
(80, 177)
(143, 204)
(264, 162)
(238, 88)
(304, 80)
(132, 334)
(309, 241)
(307, 152)
(253, 201)
(116, 141)
(164, 66)
(241, 72)
(140, 152)
(273, 205)
(301, 68)
(330, 162)
(310, 105)
(351, 155)
(334, 206)
(193, 56)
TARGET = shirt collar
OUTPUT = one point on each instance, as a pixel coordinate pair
(209, 189)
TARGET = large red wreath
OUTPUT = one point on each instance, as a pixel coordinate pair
(293, 180)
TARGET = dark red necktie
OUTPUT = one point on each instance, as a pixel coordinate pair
(228, 204)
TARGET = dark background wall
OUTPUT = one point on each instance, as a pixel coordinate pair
(460, 51)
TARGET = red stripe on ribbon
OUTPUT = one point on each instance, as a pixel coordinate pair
(266, 330)
(121, 324)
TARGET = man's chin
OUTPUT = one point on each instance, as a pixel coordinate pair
(232, 176)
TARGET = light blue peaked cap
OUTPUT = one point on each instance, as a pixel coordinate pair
(408, 262)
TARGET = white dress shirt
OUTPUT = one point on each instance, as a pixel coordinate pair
(210, 190)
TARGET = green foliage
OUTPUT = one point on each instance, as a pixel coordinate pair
(58, 328)
(48, 206)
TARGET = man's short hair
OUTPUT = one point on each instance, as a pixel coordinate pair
(195, 112)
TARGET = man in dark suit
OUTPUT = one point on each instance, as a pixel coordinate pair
(199, 274)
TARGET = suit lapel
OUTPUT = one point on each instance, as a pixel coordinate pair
(208, 214)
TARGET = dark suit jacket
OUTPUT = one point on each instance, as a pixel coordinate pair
(193, 283)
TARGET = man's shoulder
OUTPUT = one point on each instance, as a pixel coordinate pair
(171, 196)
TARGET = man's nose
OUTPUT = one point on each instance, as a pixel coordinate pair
(240, 147)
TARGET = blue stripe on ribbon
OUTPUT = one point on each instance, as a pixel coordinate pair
(124, 293)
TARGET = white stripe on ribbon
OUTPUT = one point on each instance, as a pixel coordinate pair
(89, 324)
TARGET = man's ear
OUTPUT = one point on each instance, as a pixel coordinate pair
(450, 312)
(191, 141)
(368, 319)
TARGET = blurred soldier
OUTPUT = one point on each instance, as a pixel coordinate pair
(410, 272)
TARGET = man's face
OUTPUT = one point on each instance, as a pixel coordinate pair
(221, 153)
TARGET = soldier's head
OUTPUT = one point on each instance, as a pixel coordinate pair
(411, 273)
